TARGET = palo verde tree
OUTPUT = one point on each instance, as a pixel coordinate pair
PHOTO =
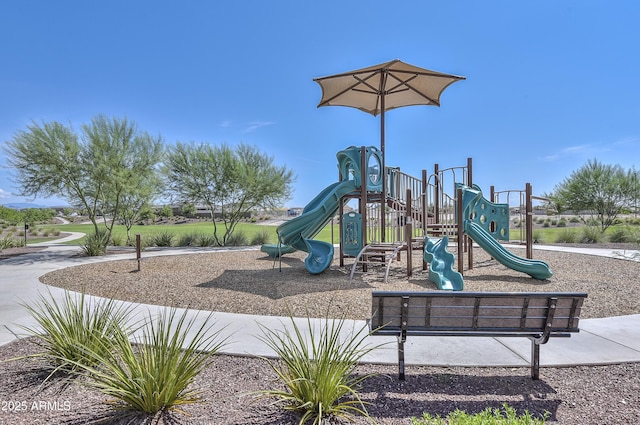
(603, 190)
(230, 182)
(92, 171)
(134, 204)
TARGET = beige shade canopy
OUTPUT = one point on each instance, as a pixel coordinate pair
(384, 87)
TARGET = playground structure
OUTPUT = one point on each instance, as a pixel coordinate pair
(414, 214)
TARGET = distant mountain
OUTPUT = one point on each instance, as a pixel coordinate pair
(24, 205)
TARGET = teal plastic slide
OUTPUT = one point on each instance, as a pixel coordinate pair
(535, 268)
(297, 233)
(441, 264)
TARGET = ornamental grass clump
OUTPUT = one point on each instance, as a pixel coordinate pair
(69, 327)
(505, 416)
(163, 239)
(155, 371)
(95, 245)
(317, 371)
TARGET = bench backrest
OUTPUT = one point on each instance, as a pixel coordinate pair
(432, 313)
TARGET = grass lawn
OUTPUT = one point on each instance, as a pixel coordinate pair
(178, 230)
(329, 233)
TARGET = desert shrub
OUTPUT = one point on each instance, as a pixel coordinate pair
(591, 222)
(206, 240)
(237, 238)
(634, 236)
(632, 221)
(562, 222)
(117, 240)
(624, 234)
(505, 416)
(145, 241)
(546, 223)
(538, 236)
(618, 234)
(10, 242)
(95, 244)
(317, 371)
(155, 371)
(187, 239)
(163, 239)
(566, 236)
(69, 327)
(591, 234)
(260, 238)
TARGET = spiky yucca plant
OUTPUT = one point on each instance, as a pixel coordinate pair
(317, 371)
(154, 372)
(68, 327)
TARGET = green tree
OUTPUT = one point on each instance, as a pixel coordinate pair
(554, 203)
(188, 210)
(601, 189)
(146, 214)
(10, 216)
(230, 182)
(37, 215)
(135, 204)
(92, 171)
(165, 211)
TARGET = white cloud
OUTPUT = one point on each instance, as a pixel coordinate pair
(574, 151)
(627, 141)
(254, 125)
(4, 194)
(226, 124)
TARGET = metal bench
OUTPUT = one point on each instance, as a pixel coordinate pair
(534, 315)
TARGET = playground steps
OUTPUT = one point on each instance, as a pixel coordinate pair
(437, 230)
(377, 254)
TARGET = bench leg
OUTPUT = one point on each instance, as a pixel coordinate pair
(535, 360)
(400, 359)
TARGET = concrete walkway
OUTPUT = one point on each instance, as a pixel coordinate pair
(600, 341)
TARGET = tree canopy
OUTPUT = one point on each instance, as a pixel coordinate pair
(96, 170)
(230, 182)
(599, 189)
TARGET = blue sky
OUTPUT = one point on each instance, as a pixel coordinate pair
(550, 84)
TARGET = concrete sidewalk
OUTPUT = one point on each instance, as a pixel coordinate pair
(600, 341)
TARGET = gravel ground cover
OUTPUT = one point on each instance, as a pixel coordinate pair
(248, 282)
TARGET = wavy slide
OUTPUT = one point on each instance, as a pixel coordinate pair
(441, 264)
(297, 233)
(535, 268)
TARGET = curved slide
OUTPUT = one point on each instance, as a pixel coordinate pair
(441, 264)
(297, 233)
(535, 268)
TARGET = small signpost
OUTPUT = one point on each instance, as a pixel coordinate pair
(138, 250)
